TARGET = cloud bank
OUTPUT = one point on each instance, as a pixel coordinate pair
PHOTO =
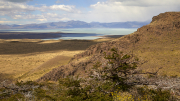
(16, 0)
(107, 11)
(130, 10)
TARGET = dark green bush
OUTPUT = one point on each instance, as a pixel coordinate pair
(70, 82)
(15, 97)
(40, 94)
(21, 83)
(117, 70)
(155, 95)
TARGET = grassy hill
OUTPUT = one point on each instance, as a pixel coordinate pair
(156, 45)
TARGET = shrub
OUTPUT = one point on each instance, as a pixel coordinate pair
(40, 94)
(15, 97)
(21, 83)
(71, 90)
(116, 71)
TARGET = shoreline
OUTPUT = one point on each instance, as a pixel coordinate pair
(28, 35)
(50, 35)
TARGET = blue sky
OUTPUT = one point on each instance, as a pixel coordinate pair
(42, 11)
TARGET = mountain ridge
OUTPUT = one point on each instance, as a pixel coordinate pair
(76, 24)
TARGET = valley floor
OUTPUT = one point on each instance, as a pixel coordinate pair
(29, 59)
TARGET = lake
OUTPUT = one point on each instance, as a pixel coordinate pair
(80, 33)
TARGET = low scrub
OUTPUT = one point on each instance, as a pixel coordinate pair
(105, 83)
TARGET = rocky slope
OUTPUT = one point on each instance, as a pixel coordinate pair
(156, 45)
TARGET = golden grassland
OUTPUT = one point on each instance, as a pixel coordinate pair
(162, 51)
(29, 59)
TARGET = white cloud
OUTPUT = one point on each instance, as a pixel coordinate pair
(23, 11)
(65, 19)
(51, 14)
(148, 2)
(17, 16)
(108, 11)
(3, 19)
(62, 7)
(44, 17)
(130, 10)
(27, 16)
(9, 8)
(7, 22)
(42, 20)
(17, 0)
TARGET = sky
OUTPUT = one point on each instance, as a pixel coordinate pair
(42, 11)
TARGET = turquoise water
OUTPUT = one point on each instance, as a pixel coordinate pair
(81, 33)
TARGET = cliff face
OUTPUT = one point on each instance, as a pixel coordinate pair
(156, 45)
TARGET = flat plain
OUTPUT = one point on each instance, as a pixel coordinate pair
(29, 59)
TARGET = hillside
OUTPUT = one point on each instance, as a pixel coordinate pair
(156, 45)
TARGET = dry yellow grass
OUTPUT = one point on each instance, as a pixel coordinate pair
(18, 65)
(161, 51)
(103, 39)
(29, 59)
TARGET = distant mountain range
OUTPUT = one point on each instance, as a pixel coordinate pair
(76, 24)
